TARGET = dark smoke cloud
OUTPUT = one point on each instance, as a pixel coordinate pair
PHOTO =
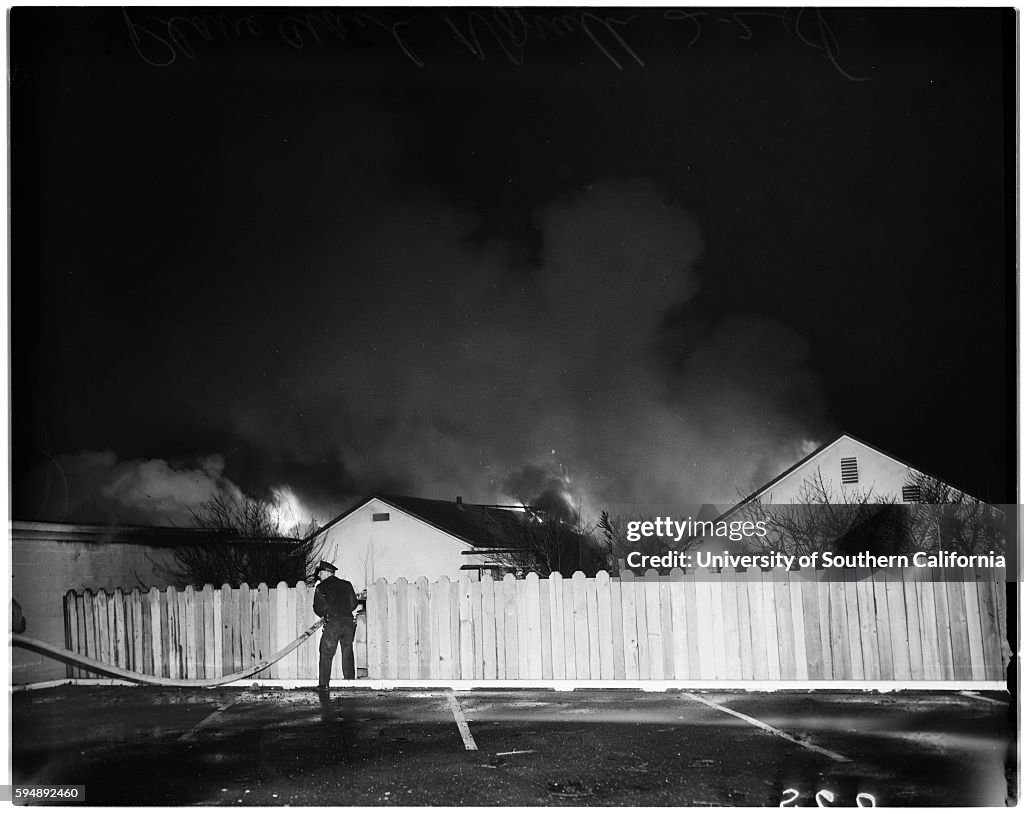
(437, 363)
(543, 489)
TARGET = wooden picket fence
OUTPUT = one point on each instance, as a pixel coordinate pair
(206, 633)
(747, 625)
(903, 625)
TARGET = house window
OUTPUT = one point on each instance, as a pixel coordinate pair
(911, 494)
(381, 516)
(849, 469)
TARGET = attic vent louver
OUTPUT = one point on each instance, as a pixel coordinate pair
(911, 494)
(849, 469)
(380, 516)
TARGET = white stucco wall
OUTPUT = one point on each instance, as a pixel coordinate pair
(403, 546)
(44, 570)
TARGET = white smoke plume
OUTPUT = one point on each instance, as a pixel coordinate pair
(437, 362)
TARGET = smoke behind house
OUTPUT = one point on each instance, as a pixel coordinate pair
(440, 363)
(96, 486)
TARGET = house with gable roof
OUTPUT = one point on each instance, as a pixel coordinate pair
(847, 470)
(394, 536)
(849, 467)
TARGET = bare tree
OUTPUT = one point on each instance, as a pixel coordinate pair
(944, 518)
(537, 542)
(239, 539)
(818, 521)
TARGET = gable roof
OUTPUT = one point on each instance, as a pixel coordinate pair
(478, 525)
(842, 436)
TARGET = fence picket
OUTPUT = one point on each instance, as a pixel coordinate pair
(593, 629)
(824, 624)
(929, 633)
(986, 587)
(500, 667)
(618, 646)
(651, 589)
(603, 592)
(120, 634)
(393, 668)
(569, 629)
(677, 609)
(510, 626)
(476, 598)
(467, 657)
(746, 644)
(974, 652)
(943, 638)
(208, 632)
(487, 625)
(643, 641)
(279, 610)
(958, 625)
(808, 579)
(453, 626)
(170, 610)
(886, 668)
(701, 622)
(544, 599)
(717, 614)
(911, 607)
(581, 638)
(796, 597)
(399, 593)
(730, 623)
(189, 605)
(868, 626)
(668, 667)
(522, 634)
(784, 624)
(129, 630)
(70, 630)
(771, 630)
(853, 624)
(627, 594)
(261, 617)
(557, 615)
(89, 618)
(444, 627)
(420, 602)
(218, 623)
(303, 610)
(182, 622)
(534, 655)
(896, 604)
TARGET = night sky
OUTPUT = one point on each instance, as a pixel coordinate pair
(629, 257)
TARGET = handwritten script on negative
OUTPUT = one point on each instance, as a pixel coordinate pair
(500, 33)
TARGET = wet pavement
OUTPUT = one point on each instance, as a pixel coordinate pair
(147, 746)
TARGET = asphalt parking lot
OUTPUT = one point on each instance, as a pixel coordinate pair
(146, 746)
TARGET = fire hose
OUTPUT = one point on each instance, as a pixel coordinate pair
(102, 667)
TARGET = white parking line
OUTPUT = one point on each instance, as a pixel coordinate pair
(762, 725)
(191, 734)
(984, 698)
(460, 720)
